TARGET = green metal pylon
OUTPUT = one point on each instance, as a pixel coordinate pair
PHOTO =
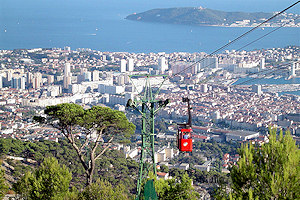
(148, 106)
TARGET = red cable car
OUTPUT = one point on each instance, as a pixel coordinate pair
(184, 133)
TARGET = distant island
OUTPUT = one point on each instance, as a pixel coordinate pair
(208, 17)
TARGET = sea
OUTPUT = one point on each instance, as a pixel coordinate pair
(101, 25)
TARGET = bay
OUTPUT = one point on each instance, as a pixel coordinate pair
(100, 25)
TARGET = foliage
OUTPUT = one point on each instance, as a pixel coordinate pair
(95, 125)
(215, 149)
(3, 185)
(116, 169)
(194, 16)
(176, 188)
(199, 176)
(49, 181)
(121, 169)
(164, 168)
(208, 149)
(271, 171)
(38, 150)
(192, 159)
(103, 190)
(160, 126)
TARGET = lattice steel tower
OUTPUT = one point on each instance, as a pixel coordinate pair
(147, 106)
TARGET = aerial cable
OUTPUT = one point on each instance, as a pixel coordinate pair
(235, 40)
(269, 71)
(257, 39)
(280, 68)
(238, 38)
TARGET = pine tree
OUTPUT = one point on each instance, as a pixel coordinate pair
(104, 190)
(271, 171)
(179, 188)
(97, 122)
(49, 181)
(3, 185)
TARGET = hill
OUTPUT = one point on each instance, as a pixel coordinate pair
(205, 17)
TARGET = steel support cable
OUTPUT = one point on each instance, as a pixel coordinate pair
(238, 38)
(269, 71)
(280, 68)
(233, 41)
(257, 39)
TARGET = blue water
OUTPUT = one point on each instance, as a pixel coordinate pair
(100, 25)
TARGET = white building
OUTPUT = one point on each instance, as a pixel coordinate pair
(120, 79)
(203, 88)
(184, 166)
(131, 153)
(67, 81)
(123, 65)
(18, 83)
(67, 75)
(210, 62)
(37, 80)
(67, 69)
(162, 64)
(184, 68)
(262, 63)
(87, 76)
(164, 154)
(53, 90)
(293, 69)
(130, 65)
(76, 89)
(50, 79)
(241, 135)
(96, 75)
(160, 156)
(204, 167)
(257, 89)
(111, 89)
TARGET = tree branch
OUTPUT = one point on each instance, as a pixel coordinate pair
(70, 137)
(98, 139)
(103, 151)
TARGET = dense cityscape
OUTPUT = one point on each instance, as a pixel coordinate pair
(71, 114)
(36, 78)
(149, 100)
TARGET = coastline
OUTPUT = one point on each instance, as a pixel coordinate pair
(212, 25)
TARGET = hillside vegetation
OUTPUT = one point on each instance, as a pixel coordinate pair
(198, 16)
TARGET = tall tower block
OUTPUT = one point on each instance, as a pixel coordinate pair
(130, 64)
(162, 64)
(262, 63)
(67, 75)
(293, 69)
(123, 65)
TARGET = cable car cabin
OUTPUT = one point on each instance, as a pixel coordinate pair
(184, 134)
(184, 139)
